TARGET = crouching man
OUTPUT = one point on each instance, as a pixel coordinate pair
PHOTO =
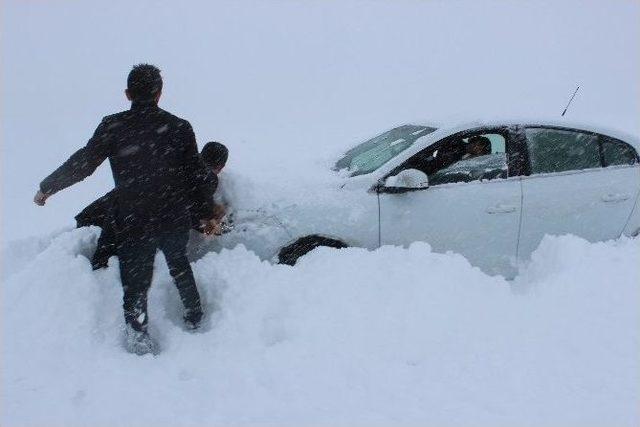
(214, 156)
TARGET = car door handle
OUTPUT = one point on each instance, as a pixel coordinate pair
(500, 208)
(614, 197)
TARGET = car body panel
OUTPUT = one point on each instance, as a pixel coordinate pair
(632, 227)
(577, 202)
(479, 220)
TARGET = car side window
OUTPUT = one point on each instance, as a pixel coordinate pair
(616, 153)
(559, 150)
(464, 158)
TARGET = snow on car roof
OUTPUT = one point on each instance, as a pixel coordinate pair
(456, 125)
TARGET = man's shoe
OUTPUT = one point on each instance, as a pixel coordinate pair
(98, 265)
(139, 342)
(192, 319)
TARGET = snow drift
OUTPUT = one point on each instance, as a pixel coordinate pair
(393, 336)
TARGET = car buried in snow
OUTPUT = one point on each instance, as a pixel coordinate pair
(487, 190)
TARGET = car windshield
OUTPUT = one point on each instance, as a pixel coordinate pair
(372, 154)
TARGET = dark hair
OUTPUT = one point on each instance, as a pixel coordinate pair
(144, 82)
(483, 141)
(214, 154)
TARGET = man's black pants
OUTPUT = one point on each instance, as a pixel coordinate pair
(136, 258)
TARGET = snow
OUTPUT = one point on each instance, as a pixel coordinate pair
(394, 336)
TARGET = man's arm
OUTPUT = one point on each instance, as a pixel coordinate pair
(80, 165)
(219, 211)
(211, 181)
(201, 184)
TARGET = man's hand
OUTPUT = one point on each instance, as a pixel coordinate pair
(219, 211)
(211, 227)
(40, 198)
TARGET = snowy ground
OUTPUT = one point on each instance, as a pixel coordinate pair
(350, 337)
(395, 336)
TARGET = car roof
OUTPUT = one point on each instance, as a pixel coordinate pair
(454, 126)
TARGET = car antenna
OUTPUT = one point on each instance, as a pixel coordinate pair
(569, 103)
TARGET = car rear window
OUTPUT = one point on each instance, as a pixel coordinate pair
(616, 152)
(559, 150)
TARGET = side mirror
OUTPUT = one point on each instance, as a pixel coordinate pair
(405, 180)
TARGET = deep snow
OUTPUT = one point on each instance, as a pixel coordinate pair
(349, 337)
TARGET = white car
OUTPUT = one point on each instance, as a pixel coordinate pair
(489, 191)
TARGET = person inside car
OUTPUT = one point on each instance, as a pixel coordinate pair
(477, 146)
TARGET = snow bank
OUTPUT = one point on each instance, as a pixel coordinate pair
(394, 336)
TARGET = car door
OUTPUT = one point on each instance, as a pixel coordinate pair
(471, 206)
(578, 182)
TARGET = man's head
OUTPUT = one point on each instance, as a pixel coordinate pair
(144, 84)
(214, 155)
(479, 146)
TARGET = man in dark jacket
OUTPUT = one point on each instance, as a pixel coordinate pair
(158, 178)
